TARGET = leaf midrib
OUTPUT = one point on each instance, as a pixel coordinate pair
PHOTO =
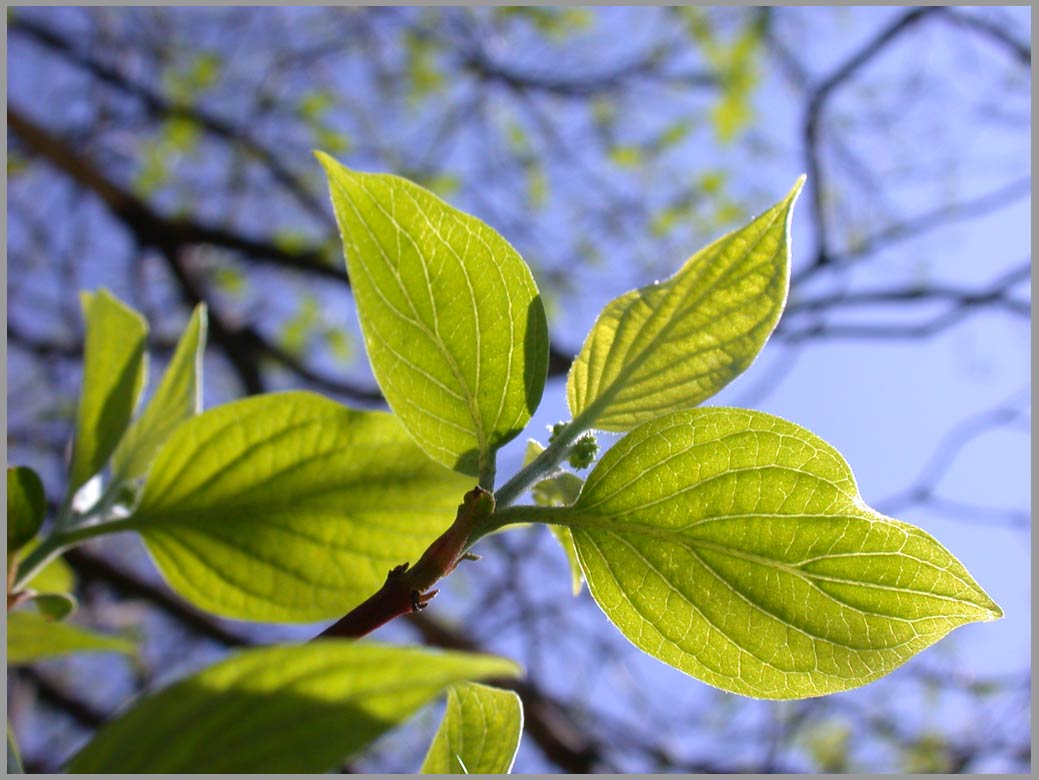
(580, 521)
(630, 367)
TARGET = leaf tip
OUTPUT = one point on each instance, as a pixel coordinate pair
(331, 165)
(322, 157)
(795, 191)
(995, 612)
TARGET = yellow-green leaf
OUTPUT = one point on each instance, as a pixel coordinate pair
(298, 709)
(32, 637)
(56, 577)
(114, 369)
(452, 319)
(290, 507)
(479, 734)
(178, 398)
(672, 345)
(735, 546)
(54, 606)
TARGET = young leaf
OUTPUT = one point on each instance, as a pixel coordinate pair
(559, 490)
(31, 637)
(674, 344)
(290, 507)
(452, 319)
(178, 398)
(56, 577)
(302, 708)
(566, 540)
(54, 606)
(735, 546)
(114, 369)
(26, 504)
(480, 732)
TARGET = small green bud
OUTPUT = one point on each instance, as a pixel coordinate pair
(584, 451)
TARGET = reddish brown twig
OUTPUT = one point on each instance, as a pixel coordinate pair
(407, 590)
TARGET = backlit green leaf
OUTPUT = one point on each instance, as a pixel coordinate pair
(178, 398)
(31, 637)
(560, 490)
(55, 577)
(26, 504)
(452, 320)
(302, 708)
(480, 732)
(114, 370)
(290, 507)
(672, 345)
(735, 546)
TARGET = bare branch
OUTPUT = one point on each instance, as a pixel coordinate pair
(818, 99)
(159, 106)
(1021, 50)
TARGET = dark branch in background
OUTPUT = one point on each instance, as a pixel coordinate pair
(159, 106)
(980, 206)
(234, 345)
(42, 347)
(923, 489)
(1022, 50)
(172, 236)
(585, 86)
(151, 228)
(997, 293)
(817, 101)
(92, 568)
(961, 303)
(241, 345)
(54, 695)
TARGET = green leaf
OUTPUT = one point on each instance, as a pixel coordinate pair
(480, 732)
(302, 708)
(290, 507)
(566, 541)
(31, 637)
(26, 505)
(559, 490)
(735, 546)
(56, 577)
(54, 606)
(114, 369)
(452, 319)
(178, 398)
(672, 345)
